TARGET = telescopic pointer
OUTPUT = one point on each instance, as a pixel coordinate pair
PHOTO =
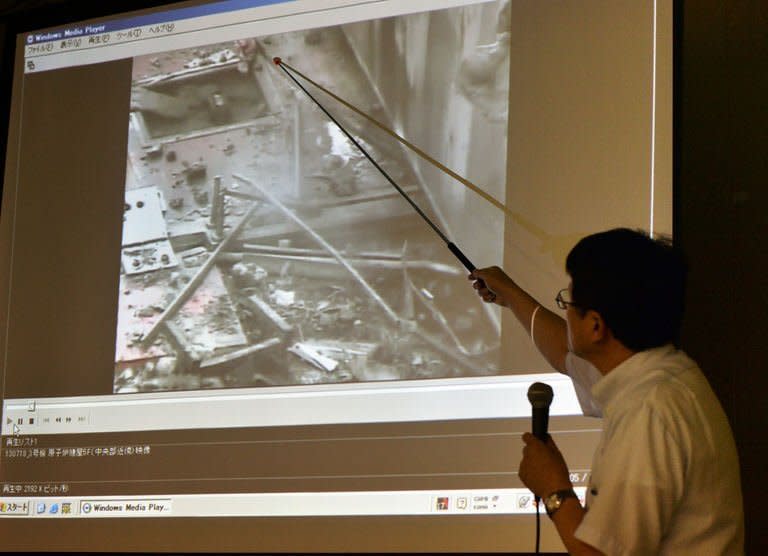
(451, 246)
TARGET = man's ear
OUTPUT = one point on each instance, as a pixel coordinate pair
(598, 330)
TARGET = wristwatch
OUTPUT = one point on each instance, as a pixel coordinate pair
(553, 502)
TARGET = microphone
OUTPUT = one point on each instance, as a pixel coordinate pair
(540, 395)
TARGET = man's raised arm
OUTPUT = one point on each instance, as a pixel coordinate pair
(550, 334)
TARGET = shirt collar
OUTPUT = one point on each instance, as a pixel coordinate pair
(609, 389)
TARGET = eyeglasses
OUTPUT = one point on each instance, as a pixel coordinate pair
(563, 299)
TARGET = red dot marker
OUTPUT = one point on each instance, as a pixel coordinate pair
(277, 60)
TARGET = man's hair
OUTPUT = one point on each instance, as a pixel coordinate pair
(635, 282)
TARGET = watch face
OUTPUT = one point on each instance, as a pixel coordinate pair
(552, 502)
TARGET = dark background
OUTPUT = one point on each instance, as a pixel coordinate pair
(721, 195)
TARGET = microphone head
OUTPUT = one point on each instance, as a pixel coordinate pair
(540, 394)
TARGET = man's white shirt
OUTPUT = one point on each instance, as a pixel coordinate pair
(665, 476)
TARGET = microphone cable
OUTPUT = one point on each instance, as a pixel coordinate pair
(538, 524)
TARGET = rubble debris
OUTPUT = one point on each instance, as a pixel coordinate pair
(206, 58)
(219, 109)
(198, 278)
(248, 274)
(302, 271)
(236, 355)
(311, 355)
(217, 209)
(256, 302)
(283, 298)
(153, 152)
(165, 365)
(201, 198)
(195, 172)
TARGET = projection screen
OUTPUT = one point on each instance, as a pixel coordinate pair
(225, 331)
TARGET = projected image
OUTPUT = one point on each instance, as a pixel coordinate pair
(261, 248)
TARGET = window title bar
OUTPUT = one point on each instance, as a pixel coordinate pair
(148, 19)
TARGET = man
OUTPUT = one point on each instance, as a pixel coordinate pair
(665, 476)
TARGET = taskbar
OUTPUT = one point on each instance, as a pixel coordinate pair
(293, 504)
